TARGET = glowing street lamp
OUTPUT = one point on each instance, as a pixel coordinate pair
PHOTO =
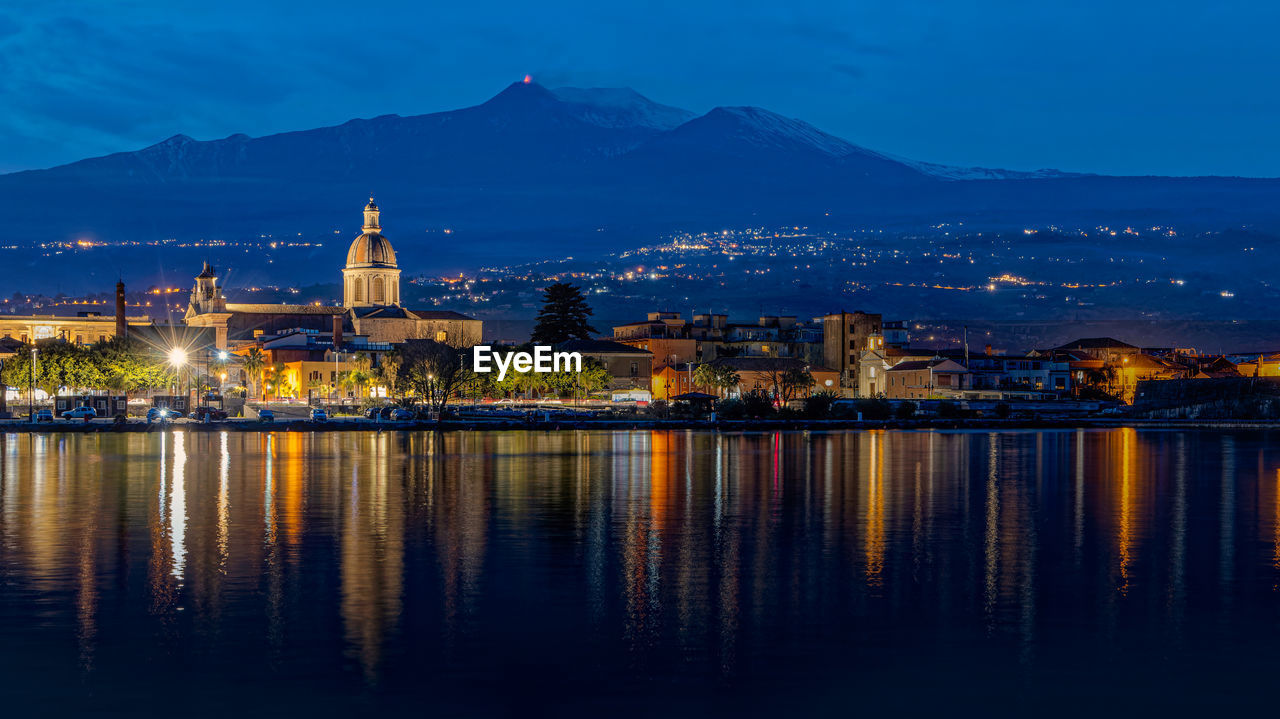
(178, 358)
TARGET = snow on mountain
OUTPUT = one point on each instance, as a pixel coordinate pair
(622, 107)
(762, 128)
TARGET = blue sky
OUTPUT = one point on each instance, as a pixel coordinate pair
(1145, 87)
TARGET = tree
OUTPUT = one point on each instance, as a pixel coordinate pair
(718, 378)
(794, 382)
(786, 380)
(58, 364)
(388, 373)
(594, 376)
(278, 383)
(128, 365)
(433, 371)
(254, 362)
(361, 372)
(563, 316)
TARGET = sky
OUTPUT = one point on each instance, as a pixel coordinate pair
(1139, 87)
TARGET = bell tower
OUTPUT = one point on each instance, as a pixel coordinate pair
(206, 296)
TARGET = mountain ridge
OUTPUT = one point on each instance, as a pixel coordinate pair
(563, 163)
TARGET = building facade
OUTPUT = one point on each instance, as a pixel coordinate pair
(845, 336)
(371, 303)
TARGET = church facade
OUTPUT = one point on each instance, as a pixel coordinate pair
(370, 303)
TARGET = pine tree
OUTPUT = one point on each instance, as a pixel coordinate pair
(563, 316)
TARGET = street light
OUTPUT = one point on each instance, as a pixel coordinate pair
(178, 358)
(31, 399)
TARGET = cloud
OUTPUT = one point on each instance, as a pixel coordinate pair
(120, 87)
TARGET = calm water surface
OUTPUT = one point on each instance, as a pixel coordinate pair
(639, 573)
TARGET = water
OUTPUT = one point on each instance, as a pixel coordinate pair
(639, 573)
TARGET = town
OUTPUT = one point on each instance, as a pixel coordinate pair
(372, 355)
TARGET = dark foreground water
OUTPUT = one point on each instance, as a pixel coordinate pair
(639, 573)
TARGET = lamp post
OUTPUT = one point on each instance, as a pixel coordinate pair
(31, 398)
(222, 356)
(178, 358)
(337, 355)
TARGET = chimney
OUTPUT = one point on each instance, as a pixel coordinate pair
(122, 326)
(337, 332)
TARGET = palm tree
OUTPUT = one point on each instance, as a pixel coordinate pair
(254, 362)
(388, 373)
(279, 383)
(717, 378)
(704, 375)
(360, 371)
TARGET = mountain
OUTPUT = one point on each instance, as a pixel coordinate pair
(536, 170)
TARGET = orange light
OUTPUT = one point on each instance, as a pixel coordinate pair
(528, 79)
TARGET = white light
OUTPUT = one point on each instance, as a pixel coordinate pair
(177, 356)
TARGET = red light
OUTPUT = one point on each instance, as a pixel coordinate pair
(528, 79)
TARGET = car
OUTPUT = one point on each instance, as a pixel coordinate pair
(372, 413)
(208, 414)
(44, 415)
(387, 412)
(266, 415)
(319, 415)
(82, 412)
(399, 414)
(159, 414)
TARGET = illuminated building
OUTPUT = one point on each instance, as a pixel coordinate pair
(371, 303)
(84, 328)
(845, 336)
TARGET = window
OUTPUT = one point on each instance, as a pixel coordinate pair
(359, 289)
(379, 291)
(442, 336)
(635, 369)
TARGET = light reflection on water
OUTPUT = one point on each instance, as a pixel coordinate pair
(682, 571)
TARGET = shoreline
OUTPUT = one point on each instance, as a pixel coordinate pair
(506, 425)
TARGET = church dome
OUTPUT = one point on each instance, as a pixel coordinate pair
(371, 249)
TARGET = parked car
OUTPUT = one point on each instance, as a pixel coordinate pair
(208, 414)
(266, 415)
(159, 413)
(372, 412)
(319, 415)
(399, 414)
(44, 415)
(83, 412)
